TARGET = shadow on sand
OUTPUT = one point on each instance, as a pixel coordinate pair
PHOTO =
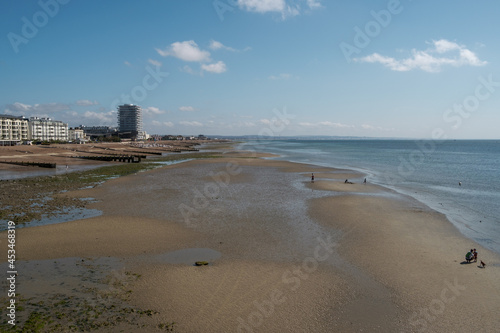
(465, 262)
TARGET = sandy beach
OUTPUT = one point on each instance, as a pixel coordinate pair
(283, 255)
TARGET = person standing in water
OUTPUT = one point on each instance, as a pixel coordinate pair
(312, 177)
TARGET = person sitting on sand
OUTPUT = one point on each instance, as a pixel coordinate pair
(469, 256)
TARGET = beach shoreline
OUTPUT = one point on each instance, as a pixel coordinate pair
(295, 255)
(475, 218)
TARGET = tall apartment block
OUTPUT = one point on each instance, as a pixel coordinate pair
(13, 130)
(129, 120)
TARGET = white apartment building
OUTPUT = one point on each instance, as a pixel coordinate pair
(46, 129)
(142, 135)
(76, 135)
(13, 130)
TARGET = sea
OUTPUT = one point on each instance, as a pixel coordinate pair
(459, 178)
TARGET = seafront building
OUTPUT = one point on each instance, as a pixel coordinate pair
(46, 129)
(13, 130)
(19, 129)
(76, 135)
(129, 120)
(95, 132)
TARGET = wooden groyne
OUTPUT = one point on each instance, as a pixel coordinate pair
(37, 164)
(146, 152)
(108, 154)
(112, 158)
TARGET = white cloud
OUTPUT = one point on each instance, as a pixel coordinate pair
(189, 51)
(186, 108)
(154, 62)
(86, 102)
(165, 123)
(64, 113)
(443, 46)
(127, 63)
(151, 111)
(442, 53)
(325, 124)
(272, 123)
(191, 123)
(186, 51)
(40, 110)
(290, 12)
(218, 67)
(376, 128)
(262, 6)
(215, 45)
(338, 125)
(314, 4)
(287, 9)
(99, 118)
(17, 108)
(188, 69)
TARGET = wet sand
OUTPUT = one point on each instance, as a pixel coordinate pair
(295, 256)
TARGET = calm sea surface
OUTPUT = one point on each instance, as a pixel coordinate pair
(429, 171)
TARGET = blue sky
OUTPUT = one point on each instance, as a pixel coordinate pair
(415, 69)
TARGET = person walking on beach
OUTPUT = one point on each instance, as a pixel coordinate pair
(364, 181)
(312, 177)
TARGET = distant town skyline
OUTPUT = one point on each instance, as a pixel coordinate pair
(405, 69)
